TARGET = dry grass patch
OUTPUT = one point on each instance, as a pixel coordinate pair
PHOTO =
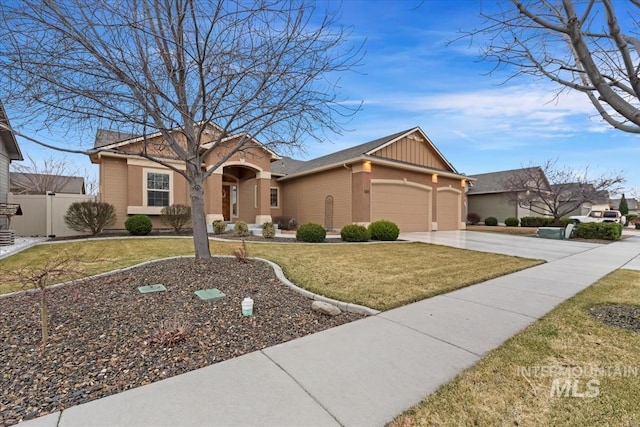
(386, 275)
(111, 253)
(495, 392)
(380, 276)
(523, 231)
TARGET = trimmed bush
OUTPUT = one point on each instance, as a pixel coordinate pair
(268, 230)
(175, 216)
(241, 229)
(138, 225)
(631, 218)
(219, 226)
(473, 218)
(536, 221)
(311, 233)
(354, 233)
(90, 216)
(599, 230)
(384, 230)
(566, 221)
(491, 220)
(512, 221)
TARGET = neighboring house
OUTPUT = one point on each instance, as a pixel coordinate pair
(9, 151)
(573, 192)
(37, 183)
(491, 194)
(631, 202)
(401, 177)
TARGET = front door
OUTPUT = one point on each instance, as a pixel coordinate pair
(226, 202)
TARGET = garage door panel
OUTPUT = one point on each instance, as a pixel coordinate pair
(448, 216)
(405, 205)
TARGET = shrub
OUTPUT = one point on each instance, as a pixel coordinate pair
(637, 225)
(599, 230)
(268, 230)
(512, 221)
(219, 226)
(311, 233)
(473, 218)
(536, 221)
(491, 220)
(623, 206)
(384, 230)
(631, 218)
(285, 222)
(355, 233)
(175, 216)
(241, 229)
(138, 225)
(566, 221)
(91, 216)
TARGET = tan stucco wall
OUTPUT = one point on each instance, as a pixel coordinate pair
(304, 198)
(491, 205)
(114, 184)
(246, 196)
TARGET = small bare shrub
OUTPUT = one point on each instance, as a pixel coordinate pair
(171, 332)
(175, 216)
(90, 216)
(242, 254)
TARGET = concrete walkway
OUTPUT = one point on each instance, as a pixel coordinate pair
(366, 372)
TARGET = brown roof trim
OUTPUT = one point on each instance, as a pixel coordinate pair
(380, 161)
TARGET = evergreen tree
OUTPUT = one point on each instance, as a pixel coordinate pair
(624, 206)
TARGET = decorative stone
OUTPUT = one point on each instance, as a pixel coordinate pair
(325, 308)
(152, 288)
(209, 294)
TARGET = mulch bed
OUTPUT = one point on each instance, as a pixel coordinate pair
(618, 315)
(104, 334)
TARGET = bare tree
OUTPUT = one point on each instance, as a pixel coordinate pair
(266, 69)
(589, 46)
(558, 190)
(51, 174)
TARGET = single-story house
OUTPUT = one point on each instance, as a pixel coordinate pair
(632, 203)
(9, 152)
(39, 183)
(582, 194)
(401, 177)
(492, 194)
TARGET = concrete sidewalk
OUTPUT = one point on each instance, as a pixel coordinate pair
(363, 373)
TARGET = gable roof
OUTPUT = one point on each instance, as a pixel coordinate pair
(285, 166)
(496, 182)
(632, 203)
(7, 137)
(569, 189)
(106, 137)
(23, 183)
(362, 151)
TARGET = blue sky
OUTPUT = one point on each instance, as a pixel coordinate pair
(410, 77)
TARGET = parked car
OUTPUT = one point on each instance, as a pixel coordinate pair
(608, 215)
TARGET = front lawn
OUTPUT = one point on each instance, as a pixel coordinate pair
(381, 276)
(504, 388)
(523, 231)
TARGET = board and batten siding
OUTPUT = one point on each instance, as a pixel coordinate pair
(411, 149)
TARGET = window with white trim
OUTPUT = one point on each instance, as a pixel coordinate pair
(158, 189)
(274, 197)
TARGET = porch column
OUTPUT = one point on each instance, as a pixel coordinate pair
(361, 193)
(263, 182)
(213, 196)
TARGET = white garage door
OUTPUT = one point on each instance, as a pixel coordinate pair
(406, 205)
(448, 216)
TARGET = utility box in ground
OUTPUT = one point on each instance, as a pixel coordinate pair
(550, 233)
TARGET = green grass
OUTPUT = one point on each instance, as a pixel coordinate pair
(380, 276)
(524, 231)
(494, 393)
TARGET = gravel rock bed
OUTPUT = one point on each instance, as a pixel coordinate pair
(229, 236)
(619, 315)
(104, 332)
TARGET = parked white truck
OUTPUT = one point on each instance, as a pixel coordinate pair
(607, 215)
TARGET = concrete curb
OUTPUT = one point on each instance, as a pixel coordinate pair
(344, 306)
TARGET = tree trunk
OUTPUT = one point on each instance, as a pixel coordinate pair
(198, 217)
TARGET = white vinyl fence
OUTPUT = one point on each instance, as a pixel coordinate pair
(43, 214)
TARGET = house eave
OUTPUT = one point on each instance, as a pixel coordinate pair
(379, 161)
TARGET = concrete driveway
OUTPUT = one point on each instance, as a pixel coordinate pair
(526, 247)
